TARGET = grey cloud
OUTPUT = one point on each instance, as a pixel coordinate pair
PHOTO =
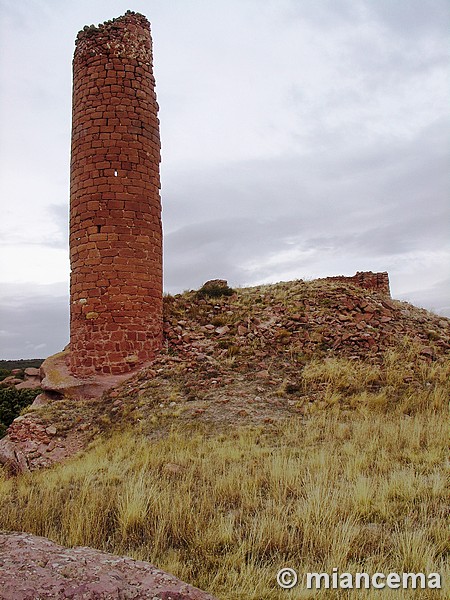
(227, 248)
(324, 13)
(59, 214)
(412, 18)
(435, 298)
(33, 321)
(386, 240)
(213, 249)
(374, 205)
(389, 197)
(407, 19)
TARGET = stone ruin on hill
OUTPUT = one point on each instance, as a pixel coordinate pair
(377, 282)
(115, 207)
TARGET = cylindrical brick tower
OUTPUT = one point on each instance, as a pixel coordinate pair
(115, 207)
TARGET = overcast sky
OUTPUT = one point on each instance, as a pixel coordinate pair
(300, 139)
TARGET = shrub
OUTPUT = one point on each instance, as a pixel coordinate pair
(212, 290)
(4, 373)
(12, 401)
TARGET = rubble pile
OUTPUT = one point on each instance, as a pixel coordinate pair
(33, 444)
(318, 318)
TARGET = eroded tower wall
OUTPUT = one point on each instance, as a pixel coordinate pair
(115, 208)
(376, 282)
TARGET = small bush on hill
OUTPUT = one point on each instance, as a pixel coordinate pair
(12, 401)
(4, 373)
(214, 291)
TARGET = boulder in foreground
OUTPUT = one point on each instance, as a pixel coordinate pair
(34, 567)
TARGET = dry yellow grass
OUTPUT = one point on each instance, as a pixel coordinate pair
(364, 493)
(402, 382)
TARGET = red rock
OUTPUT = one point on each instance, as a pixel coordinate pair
(34, 567)
(262, 374)
(427, 351)
(56, 377)
(30, 384)
(349, 304)
(10, 381)
(222, 330)
(31, 372)
(388, 304)
(343, 317)
(214, 284)
(41, 400)
(9, 457)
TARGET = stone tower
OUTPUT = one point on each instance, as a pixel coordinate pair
(115, 207)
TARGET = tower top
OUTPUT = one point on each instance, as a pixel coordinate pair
(126, 36)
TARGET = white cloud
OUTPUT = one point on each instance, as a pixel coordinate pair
(24, 263)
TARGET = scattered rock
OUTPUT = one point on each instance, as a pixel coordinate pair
(31, 372)
(41, 400)
(262, 374)
(222, 330)
(10, 381)
(427, 351)
(173, 468)
(26, 447)
(28, 384)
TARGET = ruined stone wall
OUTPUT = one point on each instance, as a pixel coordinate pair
(115, 209)
(377, 282)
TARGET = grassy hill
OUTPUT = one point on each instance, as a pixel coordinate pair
(300, 424)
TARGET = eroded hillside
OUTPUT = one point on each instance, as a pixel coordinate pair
(257, 355)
